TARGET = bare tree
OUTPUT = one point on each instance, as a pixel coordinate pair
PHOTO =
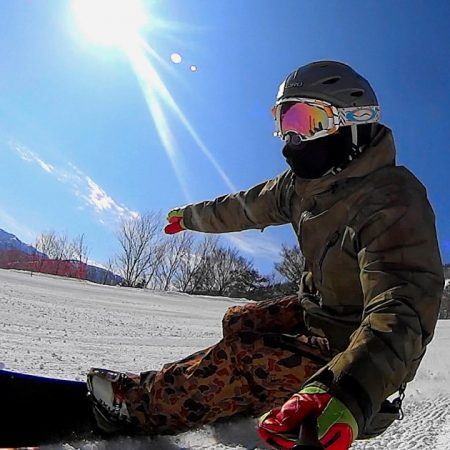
(152, 274)
(47, 243)
(177, 251)
(245, 279)
(79, 249)
(56, 246)
(292, 264)
(225, 263)
(59, 247)
(193, 268)
(139, 239)
(108, 274)
(224, 272)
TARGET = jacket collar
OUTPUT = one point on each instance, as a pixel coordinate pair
(380, 153)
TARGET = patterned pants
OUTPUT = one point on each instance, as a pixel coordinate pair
(263, 357)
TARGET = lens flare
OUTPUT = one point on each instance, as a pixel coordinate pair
(176, 58)
(153, 86)
(120, 23)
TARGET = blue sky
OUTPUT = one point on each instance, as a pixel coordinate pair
(79, 147)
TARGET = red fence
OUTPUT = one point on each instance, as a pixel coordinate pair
(15, 259)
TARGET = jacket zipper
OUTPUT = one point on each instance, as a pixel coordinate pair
(328, 245)
(305, 215)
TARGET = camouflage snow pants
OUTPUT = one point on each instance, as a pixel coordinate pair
(263, 358)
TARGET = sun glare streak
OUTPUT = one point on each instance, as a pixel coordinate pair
(120, 23)
(146, 49)
(148, 78)
(162, 91)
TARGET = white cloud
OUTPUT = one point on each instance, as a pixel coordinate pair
(255, 244)
(27, 155)
(99, 198)
(101, 201)
(47, 167)
(82, 186)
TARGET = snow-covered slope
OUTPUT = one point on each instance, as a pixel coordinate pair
(61, 327)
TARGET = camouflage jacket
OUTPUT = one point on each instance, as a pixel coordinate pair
(373, 279)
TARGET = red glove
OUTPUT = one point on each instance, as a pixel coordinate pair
(175, 219)
(337, 428)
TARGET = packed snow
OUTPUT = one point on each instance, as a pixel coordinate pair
(62, 327)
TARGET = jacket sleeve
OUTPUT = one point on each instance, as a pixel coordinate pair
(402, 280)
(266, 204)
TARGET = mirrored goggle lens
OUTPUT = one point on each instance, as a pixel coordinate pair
(304, 119)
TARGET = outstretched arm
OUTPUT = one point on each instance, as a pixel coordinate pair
(266, 204)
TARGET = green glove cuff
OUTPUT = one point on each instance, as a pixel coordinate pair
(334, 412)
(177, 212)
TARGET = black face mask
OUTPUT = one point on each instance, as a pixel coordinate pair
(313, 159)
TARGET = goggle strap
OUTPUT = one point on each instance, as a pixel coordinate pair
(358, 115)
(354, 130)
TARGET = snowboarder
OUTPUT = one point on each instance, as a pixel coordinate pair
(368, 301)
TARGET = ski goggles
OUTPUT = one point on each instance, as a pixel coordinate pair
(312, 119)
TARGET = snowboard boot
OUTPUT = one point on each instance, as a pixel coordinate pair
(107, 392)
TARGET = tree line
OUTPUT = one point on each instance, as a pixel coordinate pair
(185, 263)
(147, 258)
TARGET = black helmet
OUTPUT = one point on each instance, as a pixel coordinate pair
(336, 83)
(331, 81)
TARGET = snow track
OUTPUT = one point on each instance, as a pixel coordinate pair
(60, 327)
(426, 426)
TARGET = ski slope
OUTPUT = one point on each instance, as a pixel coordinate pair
(62, 327)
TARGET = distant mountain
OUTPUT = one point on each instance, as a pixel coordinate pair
(14, 251)
(9, 241)
(102, 276)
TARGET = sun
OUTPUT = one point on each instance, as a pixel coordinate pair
(110, 22)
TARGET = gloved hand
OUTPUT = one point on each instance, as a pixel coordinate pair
(337, 428)
(175, 219)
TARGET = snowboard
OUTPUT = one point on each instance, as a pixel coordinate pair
(38, 410)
